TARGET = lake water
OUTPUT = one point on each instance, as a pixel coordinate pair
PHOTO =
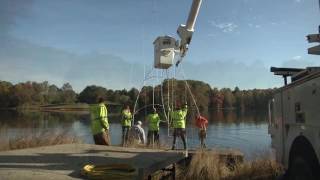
(247, 132)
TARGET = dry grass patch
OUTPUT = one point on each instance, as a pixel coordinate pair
(43, 138)
(209, 166)
(259, 169)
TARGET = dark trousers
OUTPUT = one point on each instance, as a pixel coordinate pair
(153, 138)
(125, 135)
(179, 132)
(102, 138)
(202, 137)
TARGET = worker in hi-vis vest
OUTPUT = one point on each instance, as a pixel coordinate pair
(178, 117)
(99, 123)
(126, 125)
(153, 131)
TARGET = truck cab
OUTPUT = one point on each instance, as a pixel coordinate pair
(294, 122)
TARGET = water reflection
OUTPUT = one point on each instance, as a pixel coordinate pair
(246, 131)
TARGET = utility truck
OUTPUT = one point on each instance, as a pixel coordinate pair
(294, 122)
(294, 119)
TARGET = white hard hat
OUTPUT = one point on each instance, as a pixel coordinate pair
(139, 122)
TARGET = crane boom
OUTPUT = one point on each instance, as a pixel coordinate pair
(194, 11)
(185, 31)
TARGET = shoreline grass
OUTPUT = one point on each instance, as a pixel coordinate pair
(207, 166)
(37, 139)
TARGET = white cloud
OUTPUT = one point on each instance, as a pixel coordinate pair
(296, 57)
(254, 25)
(299, 63)
(224, 27)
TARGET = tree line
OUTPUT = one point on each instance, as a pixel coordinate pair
(170, 93)
(33, 93)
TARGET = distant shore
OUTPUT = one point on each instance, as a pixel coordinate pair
(51, 107)
(79, 108)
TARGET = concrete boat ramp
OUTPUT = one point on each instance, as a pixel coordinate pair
(66, 161)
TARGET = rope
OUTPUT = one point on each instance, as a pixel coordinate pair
(131, 75)
(173, 88)
(172, 91)
(189, 89)
(193, 99)
(145, 106)
(162, 101)
(150, 77)
(168, 84)
(139, 92)
(145, 98)
(153, 95)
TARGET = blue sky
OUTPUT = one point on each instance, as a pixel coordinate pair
(108, 43)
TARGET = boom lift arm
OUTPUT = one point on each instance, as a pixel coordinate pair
(185, 31)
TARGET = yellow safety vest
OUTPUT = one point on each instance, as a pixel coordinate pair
(154, 121)
(179, 118)
(126, 118)
(99, 119)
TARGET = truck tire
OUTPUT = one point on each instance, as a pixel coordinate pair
(301, 169)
